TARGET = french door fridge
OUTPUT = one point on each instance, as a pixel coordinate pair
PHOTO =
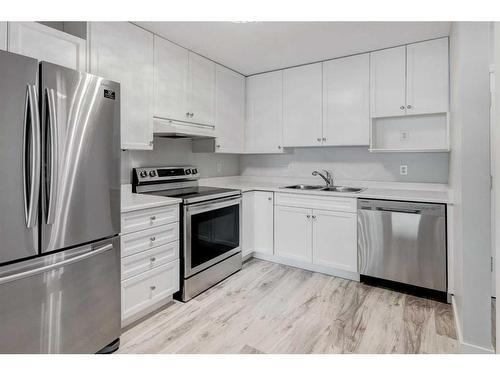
(59, 208)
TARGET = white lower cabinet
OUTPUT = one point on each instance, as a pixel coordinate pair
(257, 222)
(149, 288)
(149, 260)
(335, 240)
(325, 240)
(293, 233)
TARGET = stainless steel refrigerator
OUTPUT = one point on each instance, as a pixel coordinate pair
(59, 208)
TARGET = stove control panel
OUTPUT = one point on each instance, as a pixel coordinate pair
(159, 174)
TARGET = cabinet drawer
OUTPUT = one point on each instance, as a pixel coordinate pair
(150, 218)
(134, 243)
(320, 202)
(148, 288)
(149, 259)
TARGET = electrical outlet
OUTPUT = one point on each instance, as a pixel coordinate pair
(403, 170)
(219, 166)
(404, 135)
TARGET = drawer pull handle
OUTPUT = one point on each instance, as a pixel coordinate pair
(152, 287)
(153, 259)
(153, 218)
(153, 238)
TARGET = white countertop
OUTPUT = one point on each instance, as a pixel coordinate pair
(132, 202)
(417, 192)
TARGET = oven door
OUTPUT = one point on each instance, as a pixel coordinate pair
(211, 233)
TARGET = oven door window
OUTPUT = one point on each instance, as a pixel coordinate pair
(214, 233)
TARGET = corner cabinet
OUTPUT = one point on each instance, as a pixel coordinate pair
(42, 42)
(123, 52)
(264, 113)
(257, 221)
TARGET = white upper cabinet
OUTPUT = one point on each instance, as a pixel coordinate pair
(201, 98)
(229, 111)
(346, 101)
(335, 240)
(264, 113)
(302, 106)
(427, 83)
(387, 82)
(3, 35)
(184, 84)
(45, 43)
(123, 52)
(293, 233)
(170, 80)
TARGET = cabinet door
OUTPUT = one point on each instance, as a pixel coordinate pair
(387, 82)
(293, 233)
(263, 224)
(201, 98)
(123, 52)
(229, 110)
(3, 35)
(45, 43)
(170, 80)
(248, 223)
(335, 240)
(302, 106)
(427, 77)
(346, 105)
(264, 121)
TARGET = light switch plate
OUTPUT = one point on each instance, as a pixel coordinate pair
(403, 170)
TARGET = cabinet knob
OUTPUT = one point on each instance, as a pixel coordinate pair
(152, 287)
(408, 106)
(218, 146)
(191, 114)
(318, 139)
(324, 139)
(402, 107)
(153, 238)
(314, 217)
(269, 199)
(187, 114)
(153, 218)
(152, 259)
(279, 147)
(308, 216)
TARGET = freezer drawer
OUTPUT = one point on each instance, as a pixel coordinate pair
(403, 242)
(67, 302)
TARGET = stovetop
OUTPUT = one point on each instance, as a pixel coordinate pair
(194, 194)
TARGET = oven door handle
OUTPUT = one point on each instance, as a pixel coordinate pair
(212, 205)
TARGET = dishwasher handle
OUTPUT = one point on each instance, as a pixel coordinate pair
(399, 210)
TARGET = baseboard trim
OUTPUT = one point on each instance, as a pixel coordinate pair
(466, 348)
(307, 266)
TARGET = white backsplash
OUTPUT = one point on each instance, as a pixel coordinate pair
(177, 152)
(349, 163)
(346, 163)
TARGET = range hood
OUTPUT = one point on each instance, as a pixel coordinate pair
(178, 129)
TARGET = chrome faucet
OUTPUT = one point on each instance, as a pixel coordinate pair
(328, 178)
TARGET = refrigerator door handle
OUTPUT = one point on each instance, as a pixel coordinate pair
(49, 267)
(31, 184)
(52, 201)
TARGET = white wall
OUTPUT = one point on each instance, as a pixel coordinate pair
(350, 163)
(177, 152)
(469, 177)
(496, 173)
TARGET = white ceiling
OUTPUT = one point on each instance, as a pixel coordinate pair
(256, 47)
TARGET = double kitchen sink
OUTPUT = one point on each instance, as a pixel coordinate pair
(338, 189)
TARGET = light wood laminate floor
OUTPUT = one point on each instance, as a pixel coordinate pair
(272, 308)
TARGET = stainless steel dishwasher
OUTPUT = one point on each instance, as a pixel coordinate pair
(404, 243)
